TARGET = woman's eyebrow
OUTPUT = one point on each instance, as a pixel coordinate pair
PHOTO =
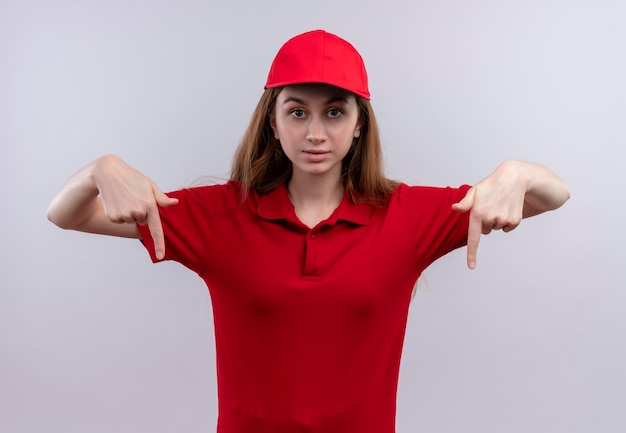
(294, 99)
(337, 98)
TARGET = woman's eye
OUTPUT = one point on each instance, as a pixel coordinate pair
(297, 113)
(334, 113)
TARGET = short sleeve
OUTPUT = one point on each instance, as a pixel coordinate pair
(434, 228)
(188, 225)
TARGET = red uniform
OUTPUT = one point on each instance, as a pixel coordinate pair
(309, 323)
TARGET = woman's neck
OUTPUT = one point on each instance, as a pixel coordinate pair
(315, 198)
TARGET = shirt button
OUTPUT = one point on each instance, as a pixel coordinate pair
(313, 236)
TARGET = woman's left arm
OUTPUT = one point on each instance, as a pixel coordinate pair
(515, 190)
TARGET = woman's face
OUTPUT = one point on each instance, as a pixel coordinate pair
(316, 125)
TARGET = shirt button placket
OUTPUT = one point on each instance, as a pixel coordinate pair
(310, 261)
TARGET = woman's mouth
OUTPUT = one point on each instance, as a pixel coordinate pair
(316, 155)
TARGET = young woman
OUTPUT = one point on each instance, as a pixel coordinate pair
(310, 254)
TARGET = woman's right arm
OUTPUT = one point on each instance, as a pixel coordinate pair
(109, 197)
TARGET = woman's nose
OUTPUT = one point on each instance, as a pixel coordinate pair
(316, 132)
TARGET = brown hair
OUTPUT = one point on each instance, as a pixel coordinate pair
(261, 163)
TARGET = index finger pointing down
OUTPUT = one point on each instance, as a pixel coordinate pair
(473, 239)
(156, 231)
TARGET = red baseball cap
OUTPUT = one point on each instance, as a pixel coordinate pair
(319, 57)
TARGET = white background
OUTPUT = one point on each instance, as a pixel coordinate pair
(94, 338)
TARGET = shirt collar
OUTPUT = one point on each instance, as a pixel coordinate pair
(276, 205)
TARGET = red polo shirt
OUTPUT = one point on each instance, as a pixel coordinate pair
(309, 323)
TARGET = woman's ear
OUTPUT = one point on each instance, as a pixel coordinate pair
(274, 128)
(357, 131)
(359, 125)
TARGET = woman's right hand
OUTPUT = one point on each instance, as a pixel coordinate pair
(110, 197)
